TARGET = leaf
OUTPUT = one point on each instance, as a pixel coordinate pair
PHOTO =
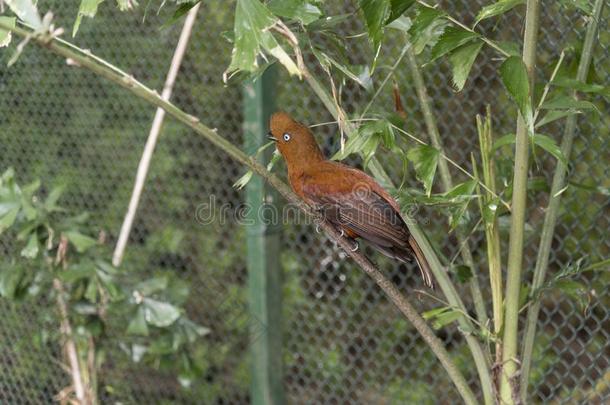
(30, 251)
(11, 277)
(452, 38)
(463, 273)
(543, 141)
(87, 8)
(138, 325)
(51, 201)
(514, 77)
(153, 285)
(375, 14)
(5, 36)
(8, 218)
(462, 192)
(182, 10)
(299, 10)
(575, 84)
(497, 8)
(426, 28)
(554, 115)
(367, 139)
(160, 314)
(510, 47)
(243, 180)
(398, 7)
(425, 160)
(363, 80)
(26, 11)
(568, 103)
(402, 23)
(462, 60)
(81, 242)
(441, 316)
(253, 22)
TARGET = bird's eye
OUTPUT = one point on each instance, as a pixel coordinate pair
(286, 137)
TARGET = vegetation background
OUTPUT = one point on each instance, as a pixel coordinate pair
(65, 126)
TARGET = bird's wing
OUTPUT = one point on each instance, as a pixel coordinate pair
(354, 202)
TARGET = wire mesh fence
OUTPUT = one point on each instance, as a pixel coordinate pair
(343, 342)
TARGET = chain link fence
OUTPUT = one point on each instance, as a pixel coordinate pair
(343, 342)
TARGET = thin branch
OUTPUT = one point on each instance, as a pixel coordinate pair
(151, 142)
(405, 307)
(550, 219)
(509, 392)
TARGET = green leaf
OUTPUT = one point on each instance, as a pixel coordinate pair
(364, 79)
(497, 8)
(367, 139)
(441, 316)
(543, 141)
(375, 14)
(5, 36)
(253, 22)
(568, 103)
(462, 60)
(299, 10)
(160, 314)
(243, 180)
(30, 250)
(574, 84)
(182, 10)
(81, 242)
(153, 285)
(452, 38)
(398, 7)
(463, 273)
(88, 8)
(26, 11)
(510, 47)
(7, 219)
(514, 77)
(461, 193)
(554, 115)
(80, 271)
(427, 27)
(138, 325)
(50, 203)
(425, 160)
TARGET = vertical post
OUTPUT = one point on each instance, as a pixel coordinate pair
(263, 240)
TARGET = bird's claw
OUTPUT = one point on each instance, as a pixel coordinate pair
(355, 246)
(342, 233)
(318, 228)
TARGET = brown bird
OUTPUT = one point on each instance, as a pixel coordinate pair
(347, 197)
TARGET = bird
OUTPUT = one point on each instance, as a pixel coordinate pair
(349, 199)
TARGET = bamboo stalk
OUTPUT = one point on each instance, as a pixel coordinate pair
(446, 179)
(406, 308)
(153, 135)
(509, 391)
(552, 212)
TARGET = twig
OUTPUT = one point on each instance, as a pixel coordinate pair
(550, 219)
(151, 142)
(405, 307)
(510, 368)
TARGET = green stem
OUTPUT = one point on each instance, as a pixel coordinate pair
(446, 179)
(441, 276)
(552, 211)
(510, 364)
(395, 296)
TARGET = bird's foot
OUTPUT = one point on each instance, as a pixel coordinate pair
(318, 228)
(342, 233)
(355, 246)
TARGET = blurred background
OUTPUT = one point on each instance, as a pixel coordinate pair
(343, 343)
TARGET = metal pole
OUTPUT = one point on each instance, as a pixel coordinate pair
(263, 245)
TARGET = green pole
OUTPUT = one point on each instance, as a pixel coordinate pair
(263, 246)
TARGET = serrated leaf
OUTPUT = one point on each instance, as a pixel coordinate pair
(299, 10)
(452, 38)
(87, 8)
(497, 8)
(26, 11)
(398, 7)
(462, 60)
(137, 324)
(160, 314)
(425, 160)
(514, 77)
(427, 27)
(5, 36)
(375, 14)
(81, 242)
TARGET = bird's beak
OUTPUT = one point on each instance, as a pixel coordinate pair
(270, 136)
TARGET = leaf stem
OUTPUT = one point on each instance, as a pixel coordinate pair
(550, 219)
(509, 391)
(395, 296)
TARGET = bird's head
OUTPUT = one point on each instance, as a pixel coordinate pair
(294, 141)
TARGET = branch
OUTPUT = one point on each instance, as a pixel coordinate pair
(128, 82)
(509, 391)
(550, 219)
(153, 135)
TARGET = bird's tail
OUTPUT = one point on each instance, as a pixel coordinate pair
(422, 262)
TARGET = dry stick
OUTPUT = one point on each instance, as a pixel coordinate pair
(445, 174)
(151, 142)
(509, 392)
(128, 82)
(552, 211)
(69, 345)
